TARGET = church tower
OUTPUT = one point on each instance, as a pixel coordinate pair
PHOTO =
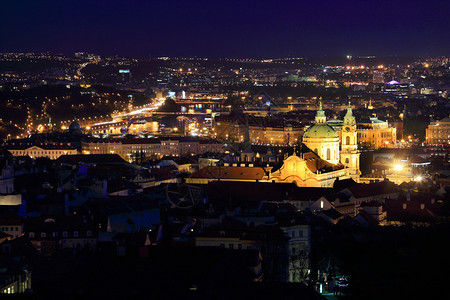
(349, 145)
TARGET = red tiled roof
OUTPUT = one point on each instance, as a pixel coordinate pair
(244, 173)
(411, 211)
(89, 159)
(314, 162)
(372, 189)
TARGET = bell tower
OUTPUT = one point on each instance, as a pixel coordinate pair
(349, 145)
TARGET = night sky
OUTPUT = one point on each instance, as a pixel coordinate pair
(227, 28)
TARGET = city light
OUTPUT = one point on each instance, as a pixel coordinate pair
(398, 167)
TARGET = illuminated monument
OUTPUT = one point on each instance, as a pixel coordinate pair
(319, 164)
(326, 163)
(349, 146)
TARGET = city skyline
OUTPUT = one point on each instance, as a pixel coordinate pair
(234, 29)
(224, 150)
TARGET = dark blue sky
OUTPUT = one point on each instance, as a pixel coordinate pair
(227, 28)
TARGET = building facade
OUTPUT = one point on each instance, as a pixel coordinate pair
(375, 134)
(438, 133)
(260, 130)
(50, 150)
(159, 147)
(372, 133)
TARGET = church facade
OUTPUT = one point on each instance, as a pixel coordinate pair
(327, 162)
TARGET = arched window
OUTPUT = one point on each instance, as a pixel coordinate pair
(347, 140)
(315, 150)
(328, 154)
(347, 161)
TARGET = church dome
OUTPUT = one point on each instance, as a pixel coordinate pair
(75, 128)
(321, 131)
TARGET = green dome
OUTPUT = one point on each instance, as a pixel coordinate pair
(321, 131)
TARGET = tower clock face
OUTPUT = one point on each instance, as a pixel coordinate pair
(347, 128)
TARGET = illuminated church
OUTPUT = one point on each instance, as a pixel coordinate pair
(327, 161)
(324, 159)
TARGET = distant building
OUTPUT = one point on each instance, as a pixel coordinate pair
(375, 134)
(128, 149)
(50, 150)
(260, 130)
(378, 76)
(438, 133)
(372, 133)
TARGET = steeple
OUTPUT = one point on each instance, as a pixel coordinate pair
(349, 110)
(321, 119)
(349, 145)
(349, 119)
